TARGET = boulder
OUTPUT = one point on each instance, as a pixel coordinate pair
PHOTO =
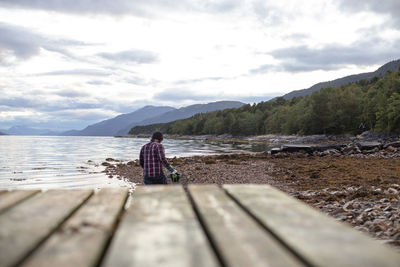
(350, 149)
(275, 150)
(368, 145)
(322, 148)
(392, 144)
(296, 148)
(391, 149)
(331, 152)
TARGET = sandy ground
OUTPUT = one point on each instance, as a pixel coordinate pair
(360, 190)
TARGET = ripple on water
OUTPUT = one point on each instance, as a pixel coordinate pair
(75, 161)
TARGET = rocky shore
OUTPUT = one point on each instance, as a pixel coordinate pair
(355, 183)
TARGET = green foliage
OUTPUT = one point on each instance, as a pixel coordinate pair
(149, 129)
(332, 110)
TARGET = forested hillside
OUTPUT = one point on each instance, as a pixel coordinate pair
(332, 110)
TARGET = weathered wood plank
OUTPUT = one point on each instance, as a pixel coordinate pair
(240, 240)
(24, 226)
(160, 229)
(8, 199)
(321, 240)
(81, 240)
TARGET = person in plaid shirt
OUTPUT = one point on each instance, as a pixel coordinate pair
(152, 157)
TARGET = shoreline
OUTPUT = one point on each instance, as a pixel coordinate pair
(316, 139)
(361, 189)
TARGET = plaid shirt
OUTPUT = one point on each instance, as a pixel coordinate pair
(152, 157)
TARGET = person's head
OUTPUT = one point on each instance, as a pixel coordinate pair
(157, 136)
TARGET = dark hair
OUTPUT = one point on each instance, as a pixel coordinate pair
(158, 136)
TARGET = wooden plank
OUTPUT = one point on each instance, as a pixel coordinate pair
(8, 199)
(24, 226)
(160, 229)
(82, 239)
(319, 239)
(239, 239)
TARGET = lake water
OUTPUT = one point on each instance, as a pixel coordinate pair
(30, 162)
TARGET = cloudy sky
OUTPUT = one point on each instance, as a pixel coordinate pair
(65, 64)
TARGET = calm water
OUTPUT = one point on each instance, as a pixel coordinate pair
(28, 162)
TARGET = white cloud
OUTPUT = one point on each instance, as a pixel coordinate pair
(134, 56)
(123, 7)
(387, 7)
(332, 57)
(21, 43)
(78, 72)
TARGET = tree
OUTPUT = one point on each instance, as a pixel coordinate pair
(394, 113)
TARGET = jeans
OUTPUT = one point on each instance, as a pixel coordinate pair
(155, 180)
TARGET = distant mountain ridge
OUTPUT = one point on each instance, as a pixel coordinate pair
(111, 126)
(121, 124)
(24, 130)
(184, 113)
(380, 72)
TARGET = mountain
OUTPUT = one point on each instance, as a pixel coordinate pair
(110, 127)
(185, 112)
(24, 130)
(2, 133)
(391, 66)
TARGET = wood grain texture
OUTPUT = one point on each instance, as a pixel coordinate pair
(160, 229)
(8, 199)
(240, 240)
(320, 239)
(81, 240)
(24, 226)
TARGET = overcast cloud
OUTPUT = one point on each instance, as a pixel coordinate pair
(22, 43)
(172, 95)
(389, 7)
(123, 7)
(72, 62)
(332, 56)
(79, 72)
(134, 56)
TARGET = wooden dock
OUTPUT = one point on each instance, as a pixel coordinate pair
(236, 225)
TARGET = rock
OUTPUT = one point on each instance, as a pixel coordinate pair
(331, 152)
(378, 190)
(322, 148)
(362, 229)
(391, 191)
(368, 136)
(350, 149)
(392, 144)
(361, 218)
(395, 186)
(368, 145)
(275, 150)
(391, 149)
(296, 148)
(348, 206)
